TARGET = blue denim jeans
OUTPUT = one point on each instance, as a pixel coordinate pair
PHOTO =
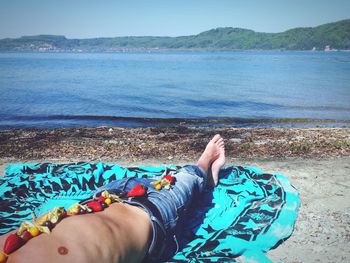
(172, 204)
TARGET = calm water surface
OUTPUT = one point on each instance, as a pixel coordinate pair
(61, 89)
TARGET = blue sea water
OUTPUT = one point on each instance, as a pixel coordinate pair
(72, 89)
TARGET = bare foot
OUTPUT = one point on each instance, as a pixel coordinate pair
(217, 164)
(212, 152)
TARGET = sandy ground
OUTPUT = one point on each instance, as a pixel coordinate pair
(322, 232)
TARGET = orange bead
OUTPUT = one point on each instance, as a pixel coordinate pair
(158, 187)
(108, 201)
(3, 257)
(34, 231)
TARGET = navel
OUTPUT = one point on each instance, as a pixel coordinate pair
(62, 250)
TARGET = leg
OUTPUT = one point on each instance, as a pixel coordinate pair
(217, 164)
(214, 157)
(190, 181)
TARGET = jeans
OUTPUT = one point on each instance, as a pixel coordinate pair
(172, 204)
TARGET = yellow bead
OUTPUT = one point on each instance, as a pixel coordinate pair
(108, 201)
(34, 231)
(158, 186)
(73, 210)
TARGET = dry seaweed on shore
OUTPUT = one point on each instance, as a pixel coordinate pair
(180, 142)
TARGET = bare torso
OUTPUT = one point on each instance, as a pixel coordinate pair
(120, 233)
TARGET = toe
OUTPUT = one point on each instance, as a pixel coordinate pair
(220, 141)
(216, 137)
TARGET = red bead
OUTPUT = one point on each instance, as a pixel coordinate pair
(64, 214)
(12, 243)
(101, 198)
(169, 178)
(26, 236)
(95, 206)
(137, 190)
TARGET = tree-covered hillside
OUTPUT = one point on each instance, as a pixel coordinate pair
(336, 35)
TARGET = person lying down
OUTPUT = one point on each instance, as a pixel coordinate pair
(127, 220)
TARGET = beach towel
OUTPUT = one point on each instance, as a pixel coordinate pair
(246, 215)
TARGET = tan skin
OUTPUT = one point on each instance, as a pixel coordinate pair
(117, 234)
(120, 233)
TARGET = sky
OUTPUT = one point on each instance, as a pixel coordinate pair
(111, 18)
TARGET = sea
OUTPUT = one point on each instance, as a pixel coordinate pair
(164, 88)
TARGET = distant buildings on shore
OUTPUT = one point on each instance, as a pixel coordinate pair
(49, 47)
(327, 48)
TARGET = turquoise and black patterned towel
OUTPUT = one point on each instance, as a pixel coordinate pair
(246, 215)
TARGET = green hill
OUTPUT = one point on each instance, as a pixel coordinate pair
(336, 35)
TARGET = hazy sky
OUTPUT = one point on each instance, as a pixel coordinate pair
(108, 18)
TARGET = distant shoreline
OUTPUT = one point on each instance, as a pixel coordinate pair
(328, 37)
